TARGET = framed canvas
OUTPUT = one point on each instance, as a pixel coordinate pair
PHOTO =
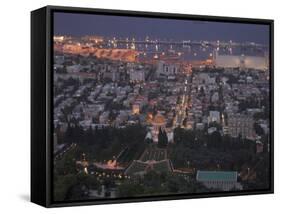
(133, 106)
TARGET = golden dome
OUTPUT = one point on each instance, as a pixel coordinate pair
(159, 119)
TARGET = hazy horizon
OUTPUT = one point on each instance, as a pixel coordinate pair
(76, 24)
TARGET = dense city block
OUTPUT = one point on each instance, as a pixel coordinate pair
(144, 116)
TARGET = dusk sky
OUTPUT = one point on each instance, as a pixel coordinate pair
(76, 24)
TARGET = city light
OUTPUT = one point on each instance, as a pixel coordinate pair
(140, 108)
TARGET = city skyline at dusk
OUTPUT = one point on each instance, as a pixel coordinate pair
(185, 111)
(73, 24)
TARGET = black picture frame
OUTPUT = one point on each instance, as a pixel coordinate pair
(41, 103)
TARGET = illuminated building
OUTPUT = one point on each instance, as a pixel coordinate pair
(58, 38)
(149, 118)
(135, 109)
(241, 125)
(95, 39)
(158, 122)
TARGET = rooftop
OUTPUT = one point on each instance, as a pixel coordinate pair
(216, 175)
(159, 119)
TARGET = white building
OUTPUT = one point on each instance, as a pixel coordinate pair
(242, 125)
(222, 180)
(214, 116)
(164, 69)
(242, 61)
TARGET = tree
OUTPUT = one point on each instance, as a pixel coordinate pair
(148, 141)
(178, 135)
(128, 189)
(69, 133)
(162, 138)
(62, 184)
(78, 134)
(89, 136)
(258, 129)
(215, 140)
